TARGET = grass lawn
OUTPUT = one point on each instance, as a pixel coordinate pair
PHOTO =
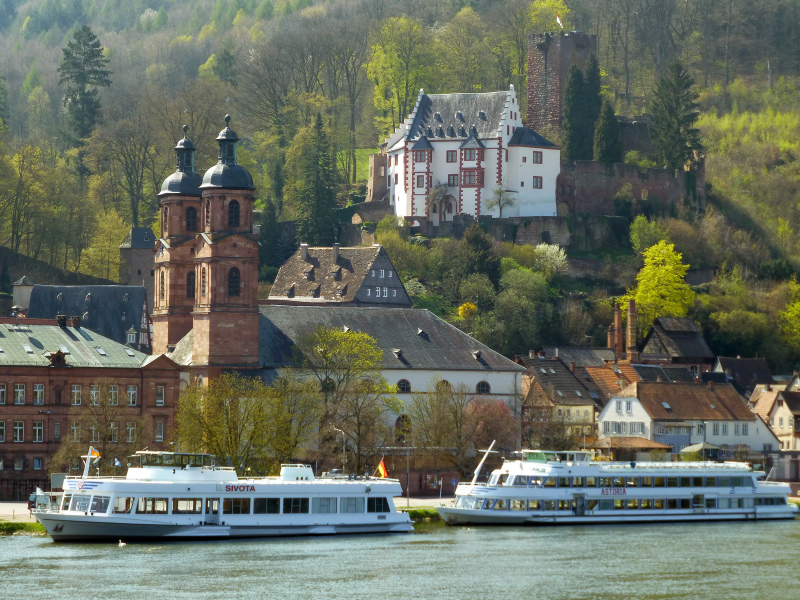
(362, 162)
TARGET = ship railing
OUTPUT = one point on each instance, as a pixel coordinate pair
(95, 477)
(674, 465)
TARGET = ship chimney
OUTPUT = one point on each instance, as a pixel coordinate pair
(633, 351)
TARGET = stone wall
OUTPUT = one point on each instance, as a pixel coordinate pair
(377, 178)
(549, 58)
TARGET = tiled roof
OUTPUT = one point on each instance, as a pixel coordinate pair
(139, 237)
(763, 405)
(424, 340)
(632, 443)
(608, 381)
(688, 401)
(321, 280)
(747, 372)
(558, 382)
(676, 338)
(525, 136)
(31, 344)
(109, 310)
(581, 356)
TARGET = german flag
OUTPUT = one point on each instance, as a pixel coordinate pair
(382, 472)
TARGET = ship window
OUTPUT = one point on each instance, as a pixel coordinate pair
(534, 505)
(563, 482)
(672, 503)
(266, 506)
(646, 504)
(736, 482)
(503, 479)
(518, 505)
(325, 505)
(151, 506)
(686, 503)
(521, 480)
(351, 505)
(697, 482)
(606, 505)
(619, 482)
(377, 505)
(187, 506)
(712, 502)
(672, 482)
(123, 504)
(549, 505)
(239, 506)
(605, 482)
(550, 482)
(658, 504)
(577, 482)
(659, 482)
(633, 482)
(619, 504)
(647, 482)
(723, 503)
(633, 504)
(295, 506)
(99, 504)
(591, 482)
(724, 482)
(80, 503)
(686, 482)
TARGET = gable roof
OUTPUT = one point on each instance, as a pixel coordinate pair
(763, 406)
(792, 400)
(109, 310)
(676, 338)
(32, 344)
(525, 136)
(688, 401)
(581, 356)
(321, 280)
(747, 372)
(424, 340)
(608, 381)
(558, 382)
(139, 237)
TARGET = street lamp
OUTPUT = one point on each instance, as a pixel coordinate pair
(344, 453)
(705, 427)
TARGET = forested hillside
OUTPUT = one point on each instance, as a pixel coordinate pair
(83, 159)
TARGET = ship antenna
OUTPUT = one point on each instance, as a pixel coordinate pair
(480, 464)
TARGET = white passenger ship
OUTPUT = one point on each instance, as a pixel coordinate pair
(174, 495)
(571, 487)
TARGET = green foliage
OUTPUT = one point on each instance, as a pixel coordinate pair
(607, 138)
(624, 202)
(574, 116)
(591, 91)
(392, 224)
(646, 233)
(641, 161)
(5, 280)
(477, 289)
(674, 115)
(32, 80)
(661, 289)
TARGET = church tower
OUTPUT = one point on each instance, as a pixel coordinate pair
(225, 317)
(175, 285)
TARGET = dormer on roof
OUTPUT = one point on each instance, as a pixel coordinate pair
(472, 142)
(422, 144)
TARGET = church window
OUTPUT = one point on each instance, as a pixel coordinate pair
(403, 386)
(191, 219)
(233, 214)
(449, 207)
(163, 291)
(233, 282)
(203, 281)
(190, 277)
(208, 213)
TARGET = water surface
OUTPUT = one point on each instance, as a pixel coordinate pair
(722, 561)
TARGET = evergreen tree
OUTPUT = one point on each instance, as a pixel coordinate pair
(574, 117)
(674, 114)
(3, 101)
(5, 280)
(83, 69)
(593, 103)
(315, 189)
(607, 138)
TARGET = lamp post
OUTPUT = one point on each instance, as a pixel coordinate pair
(408, 475)
(344, 453)
(705, 427)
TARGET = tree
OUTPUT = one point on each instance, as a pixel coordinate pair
(293, 409)
(607, 137)
(661, 289)
(574, 116)
(102, 256)
(102, 421)
(83, 69)
(593, 102)
(229, 418)
(494, 421)
(313, 187)
(675, 111)
(464, 50)
(3, 101)
(475, 254)
(645, 234)
(501, 199)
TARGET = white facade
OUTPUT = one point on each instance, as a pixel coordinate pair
(473, 144)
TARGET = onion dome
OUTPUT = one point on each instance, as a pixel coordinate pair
(184, 180)
(227, 173)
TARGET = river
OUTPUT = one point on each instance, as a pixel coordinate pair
(684, 561)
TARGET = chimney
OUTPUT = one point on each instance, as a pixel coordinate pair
(62, 320)
(304, 252)
(633, 351)
(335, 253)
(618, 341)
(768, 388)
(76, 321)
(610, 336)
(531, 353)
(556, 351)
(572, 367)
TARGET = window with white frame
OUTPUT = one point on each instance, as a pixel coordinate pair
(470, 154)
(130, 431)
(132, 335)
(716, 428)
(382, 273)
(94, 434)
(628, 406)
(744, 428)
(38, 431)
(75, 432)
(37, 464)
(113, 395)
(38, 394)
(18, 464)
(19, 431)
(606, 426)
(619, 406)
(724, 429)
(385, 292)
(56, 431)
(159, 430)
(160, 394)
(94, 394)
(736, 429)
(132, 393)
(75, 398)
(113, 432)
(420, 181)
(2, 431)
(452, 156)
(19, 393)
(780, 422)
(2, 393)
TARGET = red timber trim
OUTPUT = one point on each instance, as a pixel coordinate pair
(405, 176)
(479, 181)
(460, 182)
(500, 161)
(428, 180)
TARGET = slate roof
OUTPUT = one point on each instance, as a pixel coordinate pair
(24, 280)
(448, 106)
(440, 346)
(581, 356)
(313, 280)
(678, 374)
(677, 338)
(139, 237)
(81, 347)
(422, 144)
(689, 401)
(525, 136)
(109, 310)
(558, 382)
(747, 372)
(792, 400)
(650, 372)
(184, 349)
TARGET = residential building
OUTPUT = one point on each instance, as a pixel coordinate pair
(464, 147)
(744, 373)
(358, 276)
(682, 414)
(677, 341)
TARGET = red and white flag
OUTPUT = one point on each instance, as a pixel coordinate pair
(558, 20)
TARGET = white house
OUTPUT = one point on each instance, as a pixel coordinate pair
(468, 146)
(682, 414)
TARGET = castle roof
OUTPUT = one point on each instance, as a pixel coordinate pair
(525, 136)
(139, 237)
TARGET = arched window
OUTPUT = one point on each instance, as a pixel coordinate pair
(402, 427)
(191, 219)
(443, 386)
(163, 291)
(233, 214)
(190, 277)
(403, 386)
(483, 387)
(208, 213)
(203, 281)
(233, 282)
